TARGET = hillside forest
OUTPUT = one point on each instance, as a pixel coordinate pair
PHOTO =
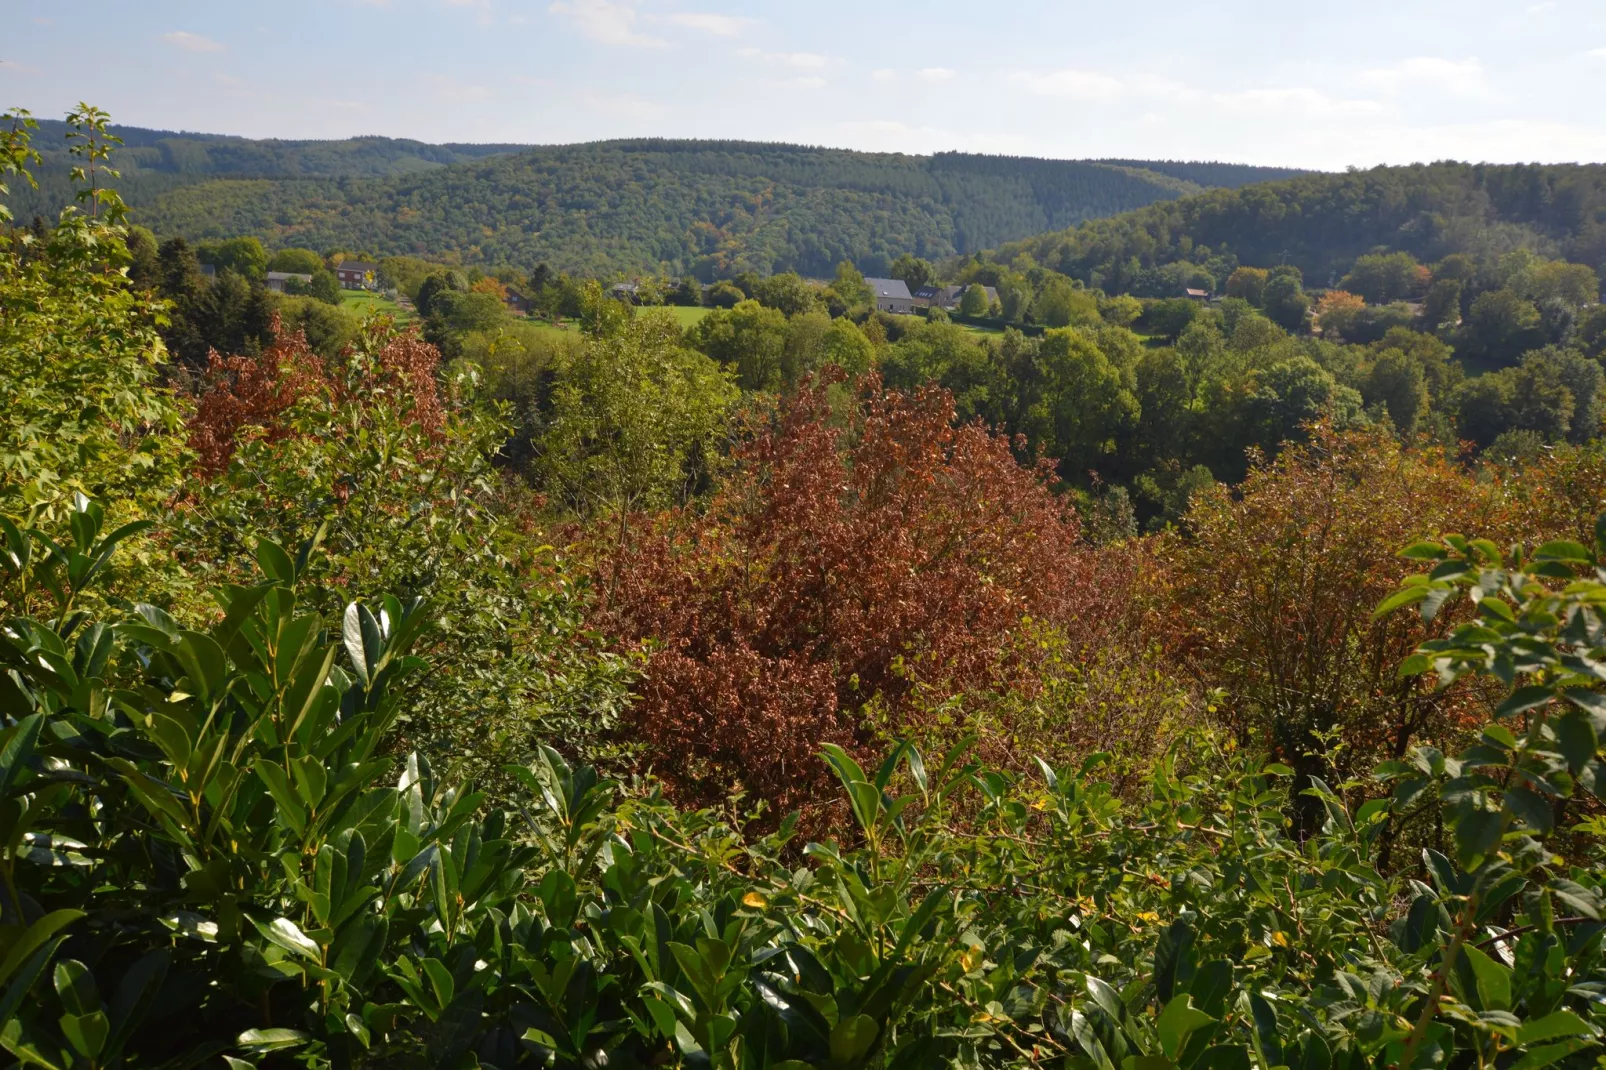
(548, 671)
(710, 208)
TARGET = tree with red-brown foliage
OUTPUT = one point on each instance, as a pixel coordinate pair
(261, 392)
(851, 555)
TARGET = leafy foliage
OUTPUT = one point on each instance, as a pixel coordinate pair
(268, 883)
(845, 558)
(80, 361)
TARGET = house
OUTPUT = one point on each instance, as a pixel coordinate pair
(891, 295)
(952, 295)
(209, 271)
(517, 303)
(947, 297)
(358, 275)
(625, 291)
(279, 281)
(1196, 295)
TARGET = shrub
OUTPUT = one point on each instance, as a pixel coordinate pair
(389, 469)
(846, 558)
(1270, 592)
(203, 856)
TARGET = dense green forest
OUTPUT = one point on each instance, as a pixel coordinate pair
(154, 162)
(1320, 223)
(766, 684)
(708, 207)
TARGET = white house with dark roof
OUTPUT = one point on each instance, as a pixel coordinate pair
(891, 295)
(279, 281)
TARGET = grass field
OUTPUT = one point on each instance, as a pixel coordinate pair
(975, 329)
(364, 302)
(687, 316)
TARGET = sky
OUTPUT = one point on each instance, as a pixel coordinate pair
(1311, 85)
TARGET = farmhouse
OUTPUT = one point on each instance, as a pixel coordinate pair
(279, 281)
(357, 274)
(947, 297)
(891, 295)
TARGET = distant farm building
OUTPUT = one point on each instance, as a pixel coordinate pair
(358, 275)
(279, 281)
(891, 295)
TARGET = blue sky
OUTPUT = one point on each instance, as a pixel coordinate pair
(1318, 85)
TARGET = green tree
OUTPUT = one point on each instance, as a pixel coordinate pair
(849, 285)
(80, 367)
(847, 348)
(1087, 409)
(723, 294)
(325, 287)
(1398, 385)
(1170, 317)
(1382, 278)
(1500, 327)
(1059, 303)
(914, 271)
(749, 339)
(787, 293)
(300, 261)
(1592, 332)
(1285, 301)
(634, 421)
(243, 256)
(1248, 284)
(974, 301)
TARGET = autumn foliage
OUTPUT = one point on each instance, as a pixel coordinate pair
(257, 394)
(1272, 588)
(843, 560)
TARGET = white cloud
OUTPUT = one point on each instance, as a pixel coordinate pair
(1299, 102)
(16, 68)
(605, 22)
(937, 74)
(1597, 53)
(708, 22)
(1540, 9)
(1463, 78)
(191, 42)
(884, 74)
(809, 61)
(1079, 85)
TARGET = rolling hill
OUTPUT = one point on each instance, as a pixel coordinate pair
(713, 207)
(1322, 222)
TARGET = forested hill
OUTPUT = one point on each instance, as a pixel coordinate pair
(1322, 222)
(153, 162)
(714, 207)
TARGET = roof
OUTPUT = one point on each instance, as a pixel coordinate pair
(286, 276)
(895, 289)
(926, 293)
(357, 265)
(1196, 293)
